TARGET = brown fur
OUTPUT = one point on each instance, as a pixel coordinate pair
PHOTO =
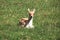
(23, 21)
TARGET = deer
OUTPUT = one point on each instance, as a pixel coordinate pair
(28, 22)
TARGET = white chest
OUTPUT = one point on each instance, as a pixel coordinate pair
(30, 24)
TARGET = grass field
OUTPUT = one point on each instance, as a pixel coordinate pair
(46, 19)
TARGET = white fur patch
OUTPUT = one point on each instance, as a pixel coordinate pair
(30, 24)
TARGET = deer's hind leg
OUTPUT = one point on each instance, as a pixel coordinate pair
(23, 21)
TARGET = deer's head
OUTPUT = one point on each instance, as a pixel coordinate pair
(31, 12)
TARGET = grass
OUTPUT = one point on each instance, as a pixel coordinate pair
(46, 19)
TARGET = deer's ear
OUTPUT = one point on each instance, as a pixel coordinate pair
(28, 10)
(33, 10)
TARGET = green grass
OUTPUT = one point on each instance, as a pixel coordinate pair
(46, 19)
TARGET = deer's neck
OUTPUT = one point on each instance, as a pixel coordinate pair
(30, 20)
